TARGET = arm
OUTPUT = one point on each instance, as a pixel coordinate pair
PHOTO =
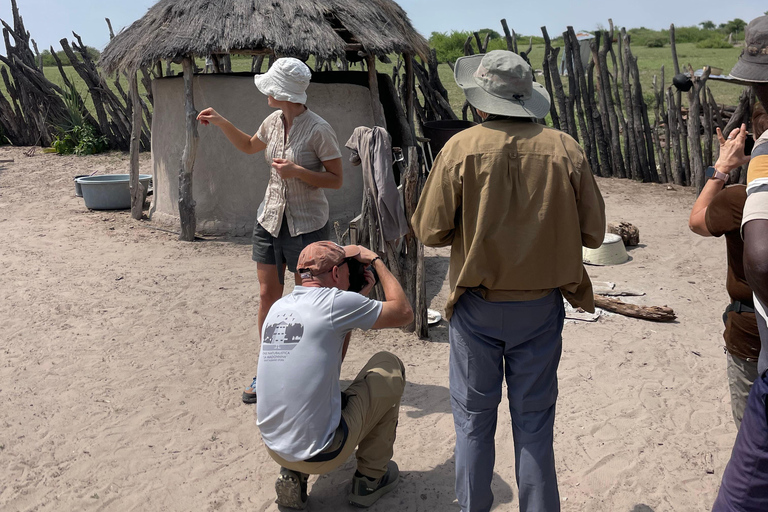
(332, 178)
(756, 256)
(241, 140)
(434, 221)
(346, 346)
(731, 156)
(396, 310)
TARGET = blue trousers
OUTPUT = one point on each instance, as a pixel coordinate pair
(745, 481)
(522, 342)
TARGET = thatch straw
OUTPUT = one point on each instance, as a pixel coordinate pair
(174, 28)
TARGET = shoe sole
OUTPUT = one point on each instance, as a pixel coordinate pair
(249, 398)
(288, 492)
(370, 499)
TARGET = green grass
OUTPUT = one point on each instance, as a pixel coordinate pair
(650, 61)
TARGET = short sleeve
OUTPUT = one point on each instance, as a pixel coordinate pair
(264, 133)
(354, 311)
(724, 212)
(324, 143)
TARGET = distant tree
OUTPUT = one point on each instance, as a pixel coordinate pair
(707, 25)
(484, 31)
(735, 25)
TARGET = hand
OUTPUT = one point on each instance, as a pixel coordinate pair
(366, 255)
(210, 116)
(285, 168)
(370, 281)
(732, 150)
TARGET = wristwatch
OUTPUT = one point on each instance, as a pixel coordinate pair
(714, 173)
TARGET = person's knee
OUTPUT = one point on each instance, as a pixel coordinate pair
(389, 369)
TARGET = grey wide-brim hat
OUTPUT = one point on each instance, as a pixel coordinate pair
(286, 80)
(501, 82)
(752, 66)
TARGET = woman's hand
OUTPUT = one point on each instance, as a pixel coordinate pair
(732, 150)
(210, 116)
(285, 168)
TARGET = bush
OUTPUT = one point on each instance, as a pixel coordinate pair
(714, 42)
(655, 43)
(80, 140)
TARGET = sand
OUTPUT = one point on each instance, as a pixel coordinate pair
(124, 352)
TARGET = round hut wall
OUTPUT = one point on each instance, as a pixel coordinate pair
(229, 185)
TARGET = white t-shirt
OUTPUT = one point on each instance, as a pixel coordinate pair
(299, 405)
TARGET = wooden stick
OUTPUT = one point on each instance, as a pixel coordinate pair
(136, 187)
(186, 199)
(652, 313)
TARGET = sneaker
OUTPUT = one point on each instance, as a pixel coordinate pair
(291, 489)
(249, 395)
(366, 492)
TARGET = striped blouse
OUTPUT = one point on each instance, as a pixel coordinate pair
(310, 142)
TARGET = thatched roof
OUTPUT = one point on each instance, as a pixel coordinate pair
(325, 28)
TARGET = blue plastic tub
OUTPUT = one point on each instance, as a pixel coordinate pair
(110, 191)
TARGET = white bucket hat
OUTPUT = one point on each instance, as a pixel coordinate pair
(286, 80)
(501, 82)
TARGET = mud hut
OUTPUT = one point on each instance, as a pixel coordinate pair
(228, 185)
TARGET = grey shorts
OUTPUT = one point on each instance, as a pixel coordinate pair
(283, 249)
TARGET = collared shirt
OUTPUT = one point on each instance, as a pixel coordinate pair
(515, 201)
(310, 142)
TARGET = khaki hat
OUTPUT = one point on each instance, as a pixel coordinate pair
(286, 80)
(320, 257)
(501, 82)
(752, 66)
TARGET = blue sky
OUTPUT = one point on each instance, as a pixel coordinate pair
(48, 21)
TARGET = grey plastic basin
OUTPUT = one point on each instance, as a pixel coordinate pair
(110, 191)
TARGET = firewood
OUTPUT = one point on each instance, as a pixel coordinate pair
(652, 313)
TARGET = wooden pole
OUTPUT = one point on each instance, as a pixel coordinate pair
(558, 84)
(548, 85)
(186, 199)
(674, 138)
(136, 188)
(373, 86)
(630, 132)
(604, 79)
(571, 98)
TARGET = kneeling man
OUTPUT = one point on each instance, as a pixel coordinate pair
(308, 425)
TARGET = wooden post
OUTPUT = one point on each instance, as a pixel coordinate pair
(694, 128)
(409, 95)
(136, 188)
(414, 264)
(583, 104)
(604, 80)
(373, 86)
(674, 138)
(647, 157)
(508, 37)
(555, 75)
(630, 133)
(186, 199)
(548, 85)
(572, 97)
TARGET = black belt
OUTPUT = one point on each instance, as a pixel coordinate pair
(326, 456)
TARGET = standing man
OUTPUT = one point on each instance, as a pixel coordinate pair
(516, 201)
(717, 212)
(745, 480)
(307, 424)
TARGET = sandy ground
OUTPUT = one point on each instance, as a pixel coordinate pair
(124, 352)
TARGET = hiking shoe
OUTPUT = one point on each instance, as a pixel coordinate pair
(249, 395)
(365, 492)
(291, 489)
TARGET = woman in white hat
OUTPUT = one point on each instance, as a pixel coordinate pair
(304, 155)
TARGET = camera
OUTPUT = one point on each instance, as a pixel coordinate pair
(357, 274)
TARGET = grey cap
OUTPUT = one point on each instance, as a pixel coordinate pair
(501, 82)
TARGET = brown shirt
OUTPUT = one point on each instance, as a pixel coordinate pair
(723, 217)
(515, 201)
